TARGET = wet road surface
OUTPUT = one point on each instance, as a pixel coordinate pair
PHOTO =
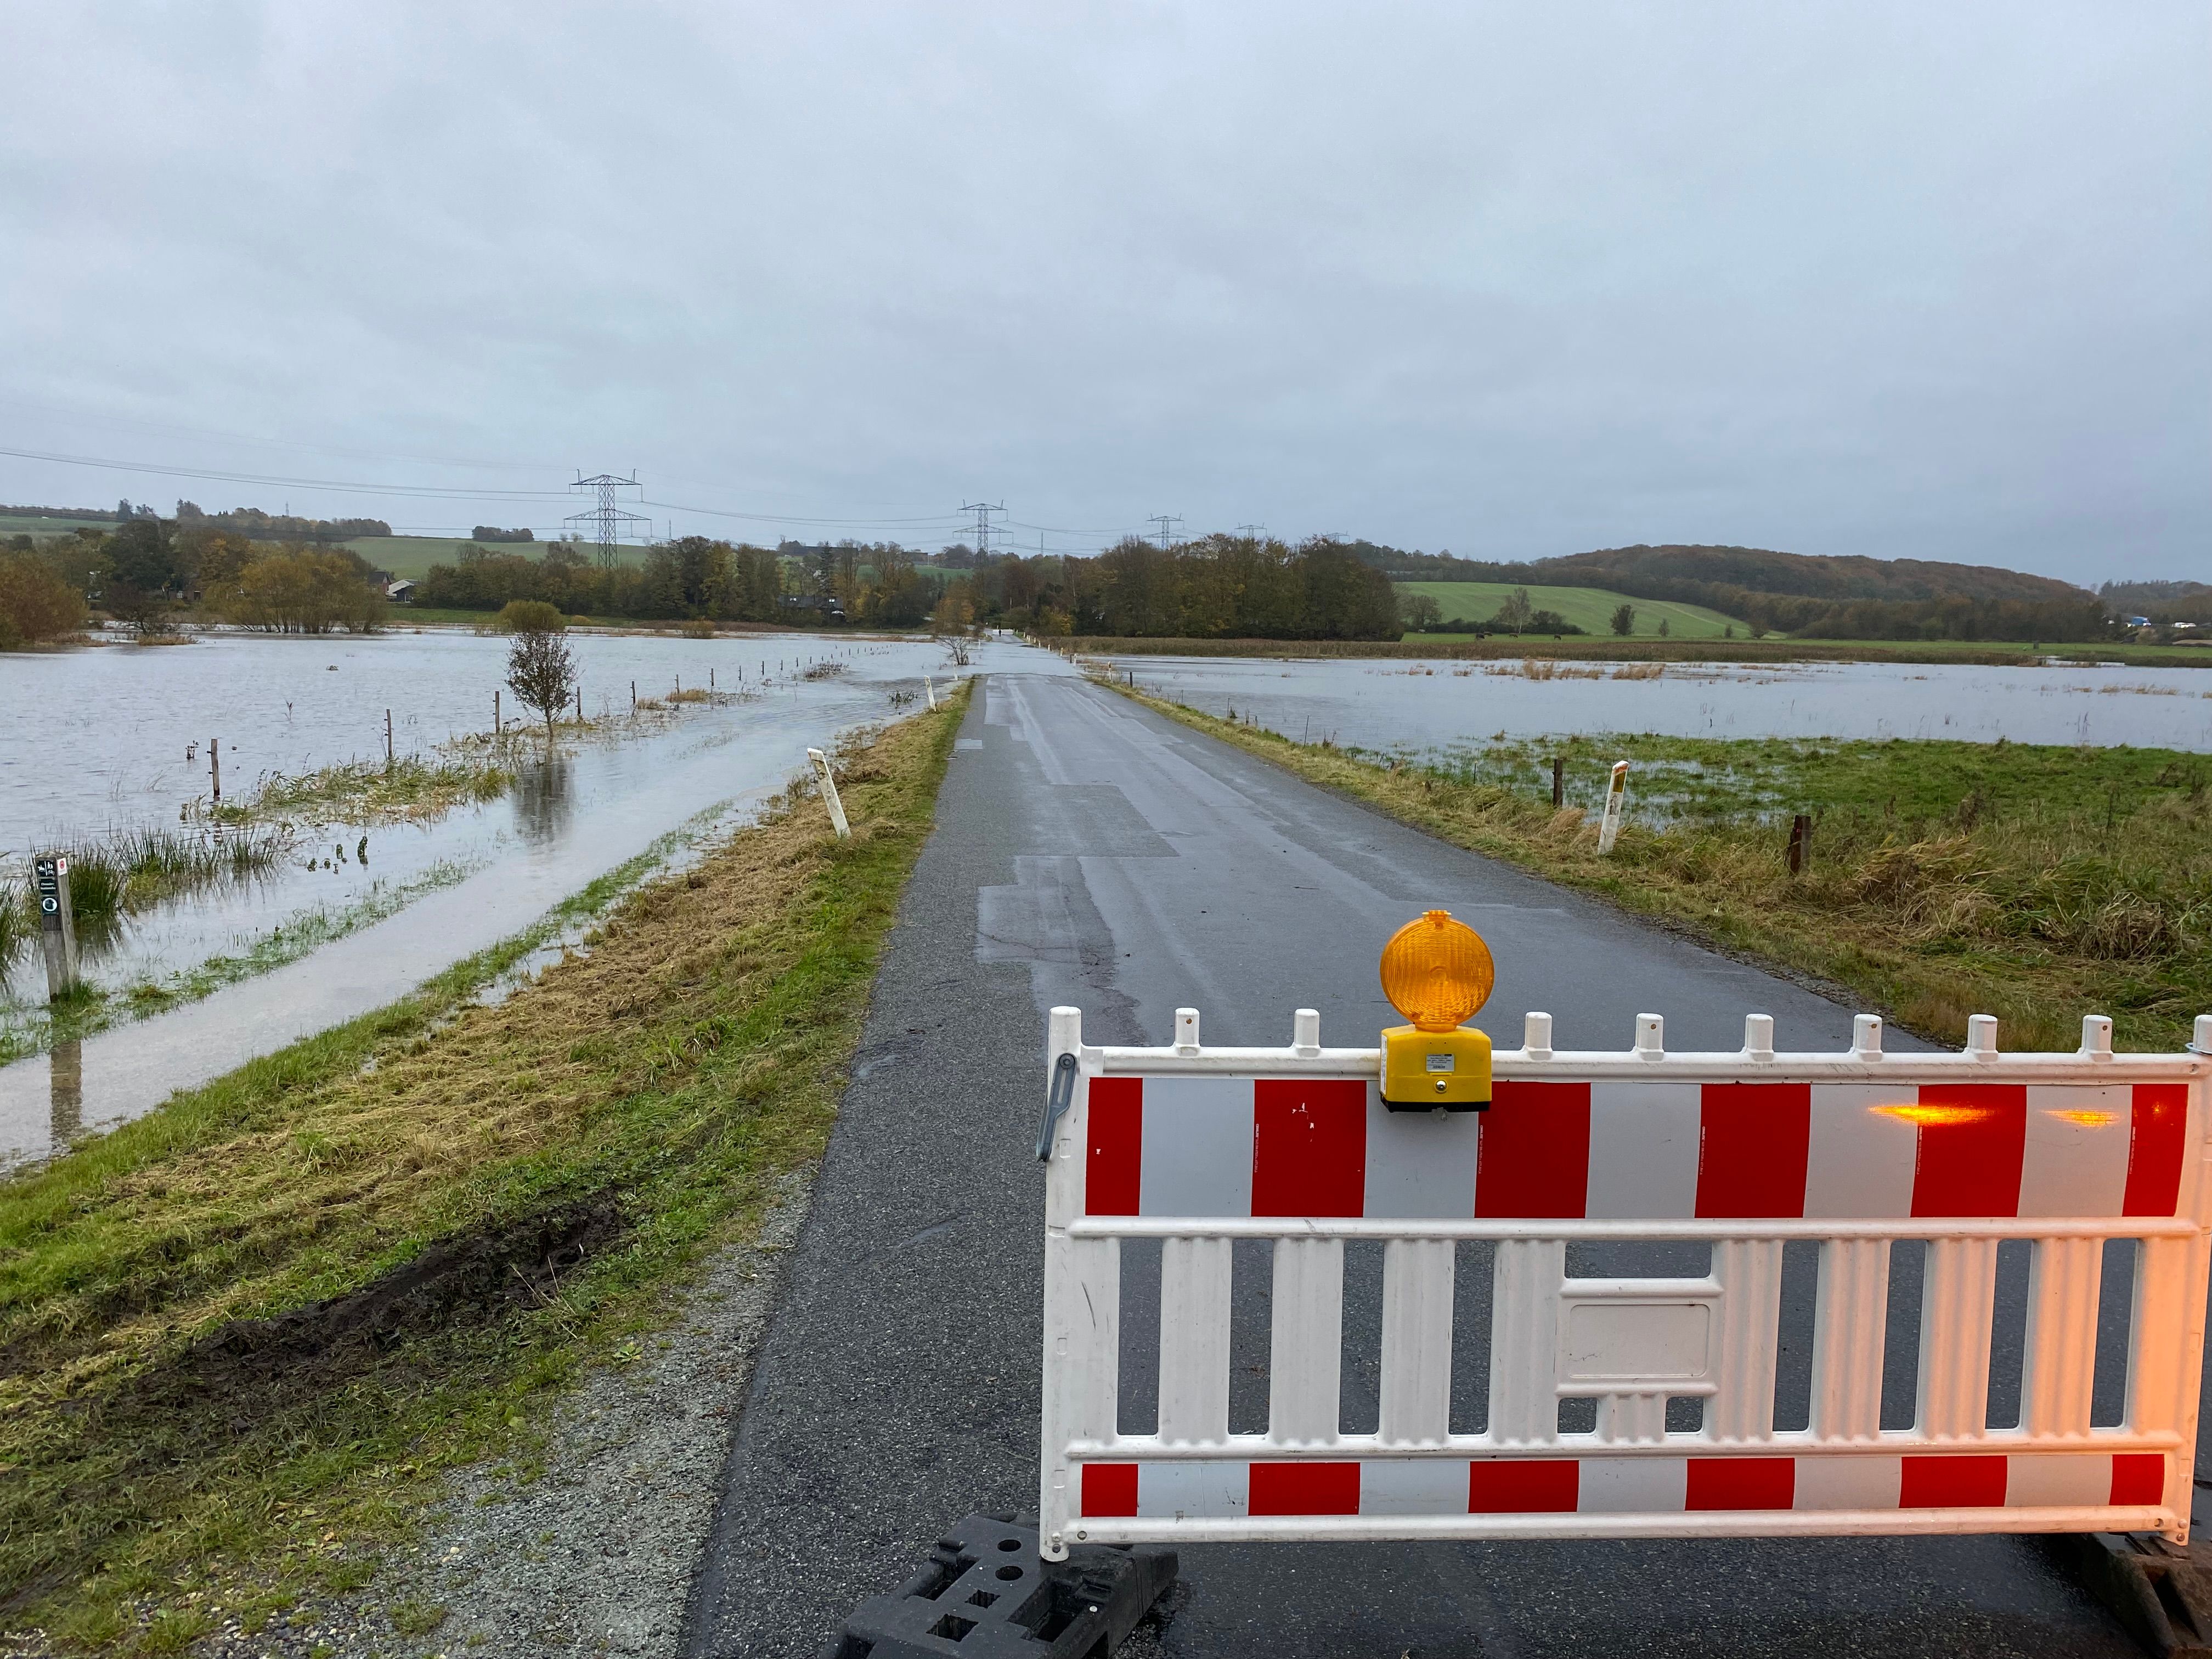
(1088, 852)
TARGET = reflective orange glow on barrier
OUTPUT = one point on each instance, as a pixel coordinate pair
(2086, 1119)
(1933, 1116)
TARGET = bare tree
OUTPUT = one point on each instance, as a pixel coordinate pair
(542, 673)
(1516, 612)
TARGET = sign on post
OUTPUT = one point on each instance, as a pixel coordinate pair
(57, 925)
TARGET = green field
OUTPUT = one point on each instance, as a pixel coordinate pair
(413, 556)
(1589, 609)
(39, 525)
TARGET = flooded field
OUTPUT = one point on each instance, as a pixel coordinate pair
(1436, 708)
(353, 918)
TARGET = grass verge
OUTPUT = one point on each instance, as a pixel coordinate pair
(1945, 879)
(240, 1338)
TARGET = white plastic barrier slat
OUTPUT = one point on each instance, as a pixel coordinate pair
(1957, 1299)
(1195, 1281)
(1524, 1401)
(1305, 1357)
(1418, 1280)
(1849, 1334)
(1747, 1274)
(1744, 1153)
(2060, 1368)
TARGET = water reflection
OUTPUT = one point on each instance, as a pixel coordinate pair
(545, 798)
(1395, 705)
(65, 1083)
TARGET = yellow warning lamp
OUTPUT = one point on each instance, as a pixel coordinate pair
(1436, 972)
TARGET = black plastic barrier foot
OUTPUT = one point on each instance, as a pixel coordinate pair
(2157, 1590)
(986, 1594)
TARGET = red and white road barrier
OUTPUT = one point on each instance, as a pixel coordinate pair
(1744, 1152)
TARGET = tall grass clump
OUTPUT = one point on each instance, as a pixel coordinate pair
(127, 871)
(17, 923)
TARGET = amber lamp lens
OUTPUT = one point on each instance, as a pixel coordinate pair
(1436, 971)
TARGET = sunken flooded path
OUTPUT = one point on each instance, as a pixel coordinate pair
(105, 745)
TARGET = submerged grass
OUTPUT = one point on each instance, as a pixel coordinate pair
(410, 790)
(116, 876)
(1945, 879)
(240, 1338)
(29, 1028)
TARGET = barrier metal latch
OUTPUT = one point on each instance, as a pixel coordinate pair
(1057, 1099)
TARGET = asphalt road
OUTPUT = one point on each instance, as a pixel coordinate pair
(1088, 851)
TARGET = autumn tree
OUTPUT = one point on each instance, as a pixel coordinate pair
(36, 601)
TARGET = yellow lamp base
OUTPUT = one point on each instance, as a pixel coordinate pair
(1424, 1070)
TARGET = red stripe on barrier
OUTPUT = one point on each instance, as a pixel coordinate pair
(2138, 1477)
(1532, 1158)
(1973, 1137)
(2157, 1128)
(1305, 1488)
(1943, 1482)
(1310, 1151)
(1751, 1145)
(1110, 1489)
(1741, 1483)
(1113, 1177)
(1529, 1487)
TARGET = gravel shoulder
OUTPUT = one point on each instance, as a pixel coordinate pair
(591, 1550)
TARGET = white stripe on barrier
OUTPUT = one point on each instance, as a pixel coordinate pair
(1859, 1159)
(1643, 1145)
(2075, 1159)
(1948, 1154)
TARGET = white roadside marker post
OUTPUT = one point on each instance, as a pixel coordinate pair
(1613, 795)
(931, 690)
(829, 793)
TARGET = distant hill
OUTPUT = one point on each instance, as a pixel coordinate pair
(2161, 602)
(1806, 594)
(1754, 569)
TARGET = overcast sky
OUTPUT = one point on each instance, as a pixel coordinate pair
(1918, 280)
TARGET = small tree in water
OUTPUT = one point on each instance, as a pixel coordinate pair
(540, 672)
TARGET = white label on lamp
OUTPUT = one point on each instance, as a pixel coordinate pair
(1442, 1063)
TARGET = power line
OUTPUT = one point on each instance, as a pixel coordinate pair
(940, 520)
(428, 492)
(1168, 536)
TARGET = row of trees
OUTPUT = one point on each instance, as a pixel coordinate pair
(1216, 588)
(882, 586)
(687, 578)
(144, 570)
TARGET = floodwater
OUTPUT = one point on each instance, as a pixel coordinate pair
(103, 743)
(1421, 706)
